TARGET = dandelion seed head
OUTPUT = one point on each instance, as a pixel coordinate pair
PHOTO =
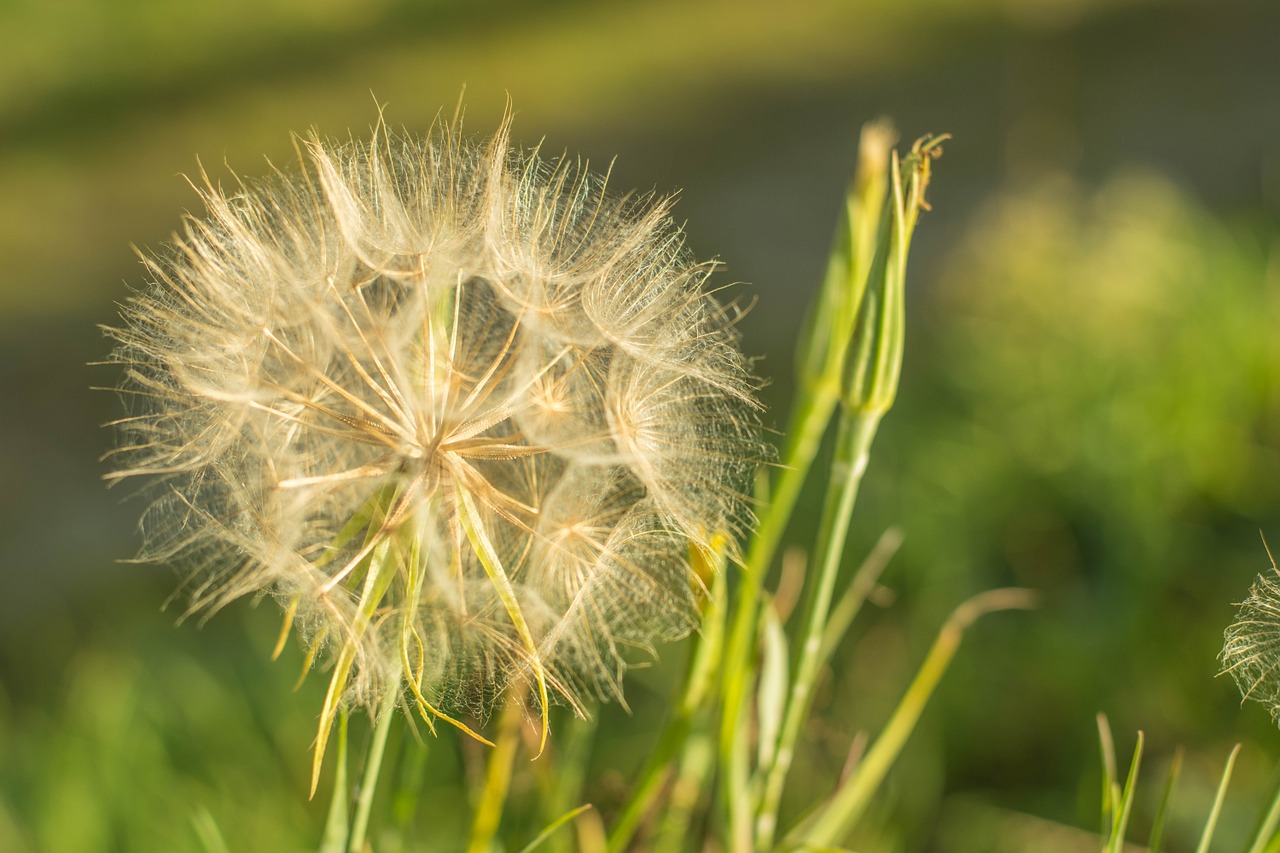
(466, 413)
(1251, 643)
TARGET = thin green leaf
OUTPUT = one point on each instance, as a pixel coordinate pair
(553, 826)
(372, 563)
(840, 814)
(1121, 818)
(413, 665)
(207, 831)
(1212, 823)
(378, 575)
(1110, 783)
(1166, 796)
(864, 582)
(1266, 840)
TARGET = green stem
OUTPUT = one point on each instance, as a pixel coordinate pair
(696, 762)
(844, 316)
(553, 827)
(699, 680)
(809, 424)
(497, 781)
(853, 445)
(372, 767)
(407, 793)
(335, 825)
(561, 781)
(654, 773)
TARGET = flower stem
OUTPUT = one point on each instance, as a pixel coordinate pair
(497, 780)
(335, 825)
(853, 445)
(372, 767)
(679, 732)
(821, 364)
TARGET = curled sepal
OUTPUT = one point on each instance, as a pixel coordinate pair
(488, 556)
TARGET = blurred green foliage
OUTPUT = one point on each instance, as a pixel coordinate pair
(1092, 412)
(148, 733)
(1090, 405)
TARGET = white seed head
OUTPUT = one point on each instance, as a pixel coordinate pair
(1251, 643)
(464, 412)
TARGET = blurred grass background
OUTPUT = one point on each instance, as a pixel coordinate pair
(1091, 403)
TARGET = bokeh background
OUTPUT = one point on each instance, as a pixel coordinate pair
(1091, 404)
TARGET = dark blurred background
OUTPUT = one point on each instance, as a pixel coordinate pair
(1091, 404)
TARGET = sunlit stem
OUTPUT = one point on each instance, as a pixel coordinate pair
(857, 592)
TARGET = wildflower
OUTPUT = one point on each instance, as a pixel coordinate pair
(466, 414)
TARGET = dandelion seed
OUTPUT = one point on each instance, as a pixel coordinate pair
(463, 411)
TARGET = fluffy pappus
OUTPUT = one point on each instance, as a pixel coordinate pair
(465, 413)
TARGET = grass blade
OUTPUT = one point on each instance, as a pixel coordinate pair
(1110, 784)
(1166, 796)
(552, 827)
(839, 815)
(1212, 822)
(1120, 821)
(1266, 840)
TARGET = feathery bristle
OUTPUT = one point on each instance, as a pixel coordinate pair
(462, 410)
